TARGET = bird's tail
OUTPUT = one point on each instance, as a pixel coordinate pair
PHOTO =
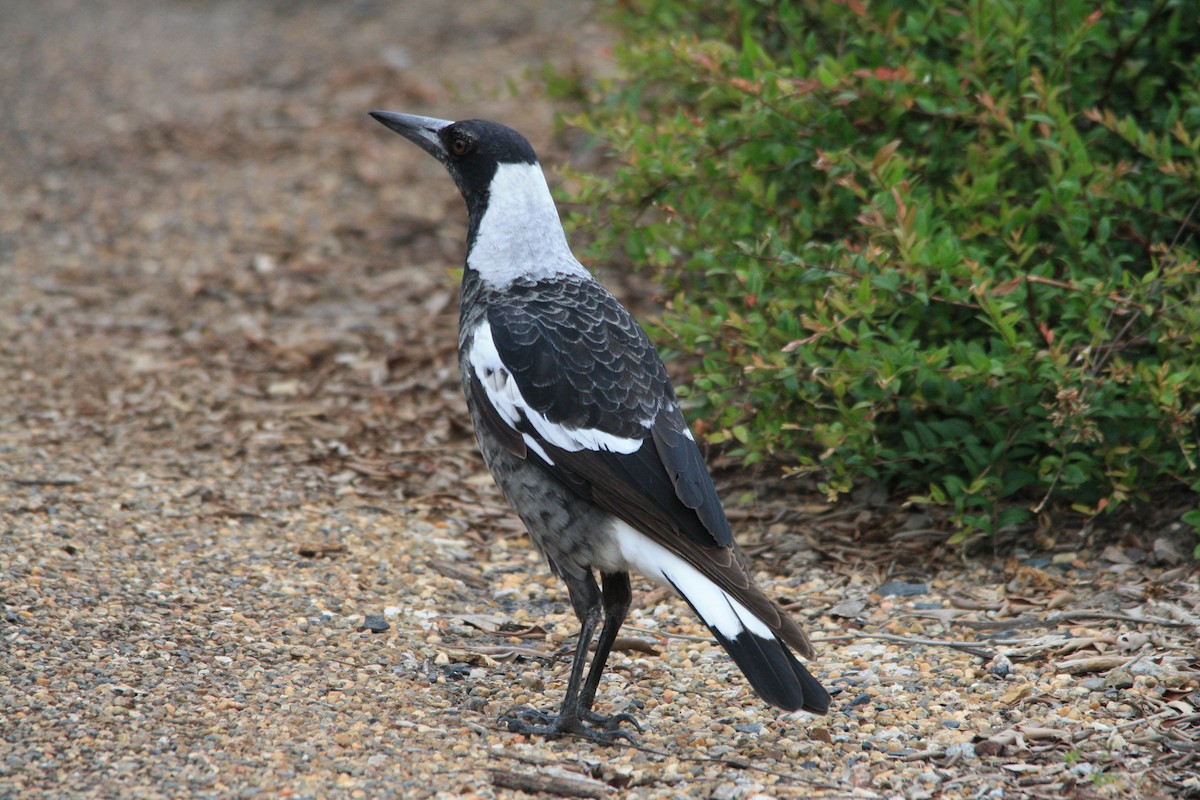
(755, 639)
(768, 664)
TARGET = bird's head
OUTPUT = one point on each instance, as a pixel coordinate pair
(513, 228)
(471, 150)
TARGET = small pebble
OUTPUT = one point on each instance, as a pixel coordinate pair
(965, 750)
(374, 623)
(902, 589)
(1118, 679)
(862, 699)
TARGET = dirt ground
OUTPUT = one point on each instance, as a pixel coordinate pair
(247, 548)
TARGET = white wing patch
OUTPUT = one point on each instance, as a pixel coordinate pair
(505, 396)
(711, 602)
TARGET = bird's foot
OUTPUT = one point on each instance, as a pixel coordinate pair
(594, 727)
(612, 722)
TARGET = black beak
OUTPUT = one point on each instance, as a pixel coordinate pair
(421, 131)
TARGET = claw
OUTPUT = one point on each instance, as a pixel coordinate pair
(613, 722)
(528, 714)
(531, 721)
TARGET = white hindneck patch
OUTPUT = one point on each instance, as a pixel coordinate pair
(520, 235)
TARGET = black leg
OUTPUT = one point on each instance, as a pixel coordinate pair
(587, 602)
(617, 597)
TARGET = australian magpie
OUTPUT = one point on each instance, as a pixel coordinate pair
(580, 427)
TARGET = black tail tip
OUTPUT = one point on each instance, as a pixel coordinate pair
(777, 675)
(816, 698)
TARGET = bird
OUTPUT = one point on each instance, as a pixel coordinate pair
(580, 427)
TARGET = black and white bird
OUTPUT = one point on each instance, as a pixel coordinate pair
(581, 429)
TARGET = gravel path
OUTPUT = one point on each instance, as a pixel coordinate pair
(247, 547)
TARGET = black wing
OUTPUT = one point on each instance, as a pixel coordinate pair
(585, 366)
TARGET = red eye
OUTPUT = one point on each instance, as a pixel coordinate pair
(460, 145)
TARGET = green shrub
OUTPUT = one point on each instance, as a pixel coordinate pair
(949, 247)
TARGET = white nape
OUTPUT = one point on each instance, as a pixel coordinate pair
(520, 235)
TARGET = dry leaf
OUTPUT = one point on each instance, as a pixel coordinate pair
(1017, 694)
(501, 627)
(1083, 666)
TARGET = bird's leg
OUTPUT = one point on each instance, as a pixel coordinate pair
(586, 600)
(617, 597)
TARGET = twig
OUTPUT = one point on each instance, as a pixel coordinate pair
(65, 481)
(1040, 644)
(1063, 616)
(682, 636)
(1057, 617)
(1070, 287)
(1125, 49)
(1186, 220)
(971, 648)
(1089, 664)
(923, 755)
(454, 572)
(917, 533)
(967, 647)
(731, 762)
(554, 782)
(1015, 623)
